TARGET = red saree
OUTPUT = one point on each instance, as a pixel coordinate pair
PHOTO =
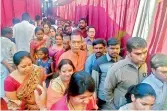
(34, 46)
(25, 92)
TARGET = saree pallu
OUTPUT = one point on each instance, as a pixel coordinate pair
(36, 46)
(25, 93)
(55, 54)
(56, 58)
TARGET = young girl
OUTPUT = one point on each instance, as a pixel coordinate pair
(37, 43)
(46, 63)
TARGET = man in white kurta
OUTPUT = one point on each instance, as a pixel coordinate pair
(23, 32)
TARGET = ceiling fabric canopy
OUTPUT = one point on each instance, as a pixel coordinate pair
(61, 2)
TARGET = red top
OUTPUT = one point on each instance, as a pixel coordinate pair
(3, 105)
(11, 84)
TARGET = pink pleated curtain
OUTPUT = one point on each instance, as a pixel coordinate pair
(111, 18)
(157, 40)
(15, 8)
(158, 34)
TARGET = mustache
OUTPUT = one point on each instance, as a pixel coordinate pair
(99, 53)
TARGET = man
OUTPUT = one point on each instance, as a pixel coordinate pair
(158, 79)
(82, 27)
(52, 22)
(75, 54)
(15, 21)
(99, 46)
(58, 23)
(89, 39)
(23, 33)
(8, 33)
(66, 43)
(8, 48)
(7, 51)
(67, 30)
(125, 73)
(60, 30)
(101, 67)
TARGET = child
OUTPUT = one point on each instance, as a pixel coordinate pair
(37, 43)
(46, 63)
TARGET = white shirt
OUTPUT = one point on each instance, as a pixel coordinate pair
(23, 33)
(3, 74)
(8, 49)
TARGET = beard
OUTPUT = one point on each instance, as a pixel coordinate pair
(81, 27)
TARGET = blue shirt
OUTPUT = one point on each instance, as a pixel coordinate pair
(88, 41)
(160, 90)
(46, 65)
(89, 63)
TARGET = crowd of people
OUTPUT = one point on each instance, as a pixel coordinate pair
(51, 64)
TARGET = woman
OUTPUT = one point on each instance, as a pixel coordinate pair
(79, 95)
(52, 38)
(139, 97)
(59, 85)
(56, 50)
(46, 27)
(40, 99)
(37, 43)
(20, 84)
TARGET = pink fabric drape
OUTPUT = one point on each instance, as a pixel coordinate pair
(158, 33)
(15, 8)
(34, 8)
(6, 12)
(111, 18)
(157, 42)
